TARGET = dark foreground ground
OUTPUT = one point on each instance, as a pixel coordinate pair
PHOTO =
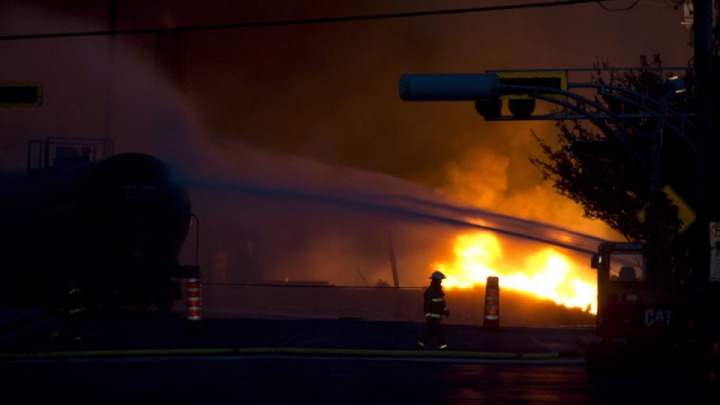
(156, 331)
(156, 358)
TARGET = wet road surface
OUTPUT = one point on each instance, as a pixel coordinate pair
(337, 380)
(153, 358)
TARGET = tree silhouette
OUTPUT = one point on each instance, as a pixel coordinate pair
(598, 171)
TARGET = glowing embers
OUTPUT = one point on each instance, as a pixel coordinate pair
(538, 270)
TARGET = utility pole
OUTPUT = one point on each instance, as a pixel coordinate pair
(714, 147)
(705, 143)
(110, 73)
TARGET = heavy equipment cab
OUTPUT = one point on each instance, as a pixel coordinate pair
(642, 306)
(636, 300)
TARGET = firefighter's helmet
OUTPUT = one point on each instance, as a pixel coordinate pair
(437, 275)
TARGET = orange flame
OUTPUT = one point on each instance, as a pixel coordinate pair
(546, 272)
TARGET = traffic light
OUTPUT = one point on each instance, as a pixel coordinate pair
(486, 90)
(489, 109)
(520, 102)
(21, 94)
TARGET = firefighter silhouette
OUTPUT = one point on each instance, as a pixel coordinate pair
(72, 305)
(435, 309)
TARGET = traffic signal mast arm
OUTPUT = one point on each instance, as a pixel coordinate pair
(489, 85)
(522, 88)
(449, 87)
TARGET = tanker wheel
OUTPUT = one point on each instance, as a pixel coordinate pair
(142, 305)
(142, 301)
(165, 297)
(165, 304)
(603, 357)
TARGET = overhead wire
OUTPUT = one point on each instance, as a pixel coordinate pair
(279, 23)
(630, 7)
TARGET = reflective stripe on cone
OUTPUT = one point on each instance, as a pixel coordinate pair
(491, 319)
(194, 304)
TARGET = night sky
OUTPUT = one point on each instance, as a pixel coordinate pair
(325, 95)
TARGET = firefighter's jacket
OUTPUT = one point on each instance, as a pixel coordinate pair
(434, 304)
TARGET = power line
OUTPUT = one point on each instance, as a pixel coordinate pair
(311, 285)
(280, 23)
(630, 7)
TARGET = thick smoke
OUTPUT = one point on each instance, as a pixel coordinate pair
(329, 92)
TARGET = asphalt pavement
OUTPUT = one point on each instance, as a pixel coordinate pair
(26, 334)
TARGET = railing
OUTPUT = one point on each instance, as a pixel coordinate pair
(59, 152)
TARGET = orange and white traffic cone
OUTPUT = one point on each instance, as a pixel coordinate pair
(491, 320)
(194, 303)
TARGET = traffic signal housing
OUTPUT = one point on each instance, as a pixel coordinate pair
(487, 90)
(520, 102)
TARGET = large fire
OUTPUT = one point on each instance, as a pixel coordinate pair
(545, 272)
